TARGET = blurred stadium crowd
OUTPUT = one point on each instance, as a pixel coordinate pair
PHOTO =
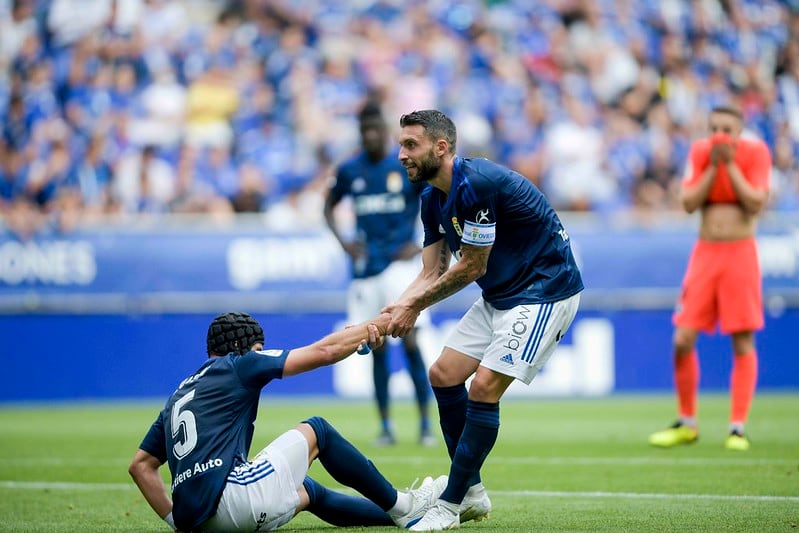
(123, 107)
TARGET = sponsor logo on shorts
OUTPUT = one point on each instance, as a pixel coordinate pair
(507, 358)
(518, 329)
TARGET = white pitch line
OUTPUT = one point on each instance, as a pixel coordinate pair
(56, 485)
(59, 485)
(620, 461)
(644, 495)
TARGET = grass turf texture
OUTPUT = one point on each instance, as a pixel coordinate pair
(559, 465)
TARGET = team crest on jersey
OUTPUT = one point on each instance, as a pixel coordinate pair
(358, 184)
(457, 226)
(394, 182)
(270, 353)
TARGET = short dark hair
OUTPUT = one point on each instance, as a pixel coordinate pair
(436, 125)
(233, 332)
(728, 110)
(370, 111)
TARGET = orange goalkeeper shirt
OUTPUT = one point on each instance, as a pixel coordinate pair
(751, 155)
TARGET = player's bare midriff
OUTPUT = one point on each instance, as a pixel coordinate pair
(726, 222)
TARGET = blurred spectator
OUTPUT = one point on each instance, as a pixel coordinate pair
(212, 100)
(785, 177)
(144, 182)
(15, 28)
(573, 149)
(91, 177)
(160, 110)
(243, 104)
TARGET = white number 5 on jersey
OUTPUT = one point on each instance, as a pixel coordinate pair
(184, 418)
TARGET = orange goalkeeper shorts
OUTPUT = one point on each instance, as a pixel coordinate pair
(722, 286)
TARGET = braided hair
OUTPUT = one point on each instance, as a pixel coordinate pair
(233, 332)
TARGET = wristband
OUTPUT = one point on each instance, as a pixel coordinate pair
(364, 349)
(169, 520)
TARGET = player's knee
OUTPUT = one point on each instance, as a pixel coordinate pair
(321, 428)
(743, 343)
(482, 391)
(684, 341)
(438, 376)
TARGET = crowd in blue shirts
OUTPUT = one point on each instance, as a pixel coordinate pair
(123, 107)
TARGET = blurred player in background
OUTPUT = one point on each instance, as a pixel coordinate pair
(509, 240)
(205, 431)
(728, 179)
(384, 253)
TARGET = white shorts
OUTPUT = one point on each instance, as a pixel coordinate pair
(367, 296)
(516, 342)
(261, 495)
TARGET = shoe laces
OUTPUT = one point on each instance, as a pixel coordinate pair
(424, 491)
(442, 510)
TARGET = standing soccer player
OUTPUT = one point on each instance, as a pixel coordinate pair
(728, 179)
(384, 254)
(205, 431)
(508, 239)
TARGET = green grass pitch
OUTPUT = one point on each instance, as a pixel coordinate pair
(558, 465)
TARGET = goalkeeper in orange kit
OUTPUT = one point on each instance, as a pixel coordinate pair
(727, 178)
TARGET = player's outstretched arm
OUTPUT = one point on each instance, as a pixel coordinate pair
(471, 266)
(144, 471)
(336, 346)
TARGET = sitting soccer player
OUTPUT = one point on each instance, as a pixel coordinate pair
(205, 431)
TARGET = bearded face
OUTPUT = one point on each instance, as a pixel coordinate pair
(423, 168)
(417, 154)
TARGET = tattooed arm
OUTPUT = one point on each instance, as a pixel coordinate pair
(436, 282)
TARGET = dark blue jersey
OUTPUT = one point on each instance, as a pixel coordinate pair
(206, 428)
(531, 260)
(386, 207)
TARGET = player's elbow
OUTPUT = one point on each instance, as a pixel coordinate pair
(136, 470)
(477, 270)
(756, 204)
(689, 204)
(141, 466)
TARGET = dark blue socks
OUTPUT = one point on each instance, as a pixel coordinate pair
(343, 510)
(418, 374)
(451, 413)
(380, 374)
(478, 437)
(350, 467)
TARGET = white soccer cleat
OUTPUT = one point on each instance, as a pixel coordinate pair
(442, 516)
(475, 505)
(422, 499)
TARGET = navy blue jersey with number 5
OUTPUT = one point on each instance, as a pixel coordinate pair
(531, 261)
(206, 428)
(386, 207)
